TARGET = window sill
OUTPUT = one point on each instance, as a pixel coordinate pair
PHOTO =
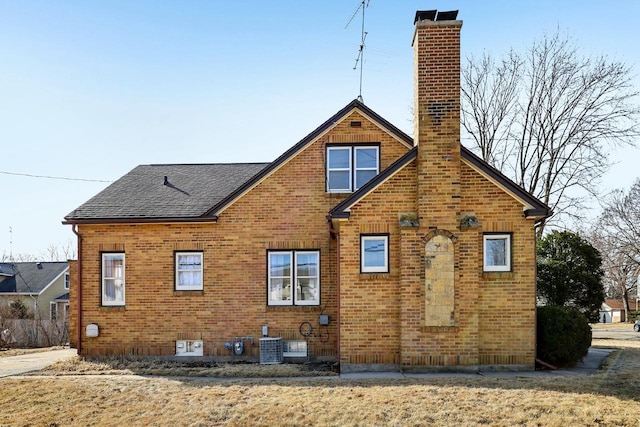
(374, 276)
(449, 329)
(113, 307)
(181, 293)
(498, 275)
(293, 307)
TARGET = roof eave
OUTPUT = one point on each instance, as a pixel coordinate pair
(537, 214)
(342, 209)
(534, 208)
(158, 220)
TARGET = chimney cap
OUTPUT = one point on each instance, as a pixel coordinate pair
(434, 15)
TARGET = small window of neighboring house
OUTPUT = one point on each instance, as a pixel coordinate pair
(66, 281)
(53, 310)
(351, 167)
(189, 271)
(66, 311)
(293, 277)
(497, 252)
(113, 280)
(374, 253)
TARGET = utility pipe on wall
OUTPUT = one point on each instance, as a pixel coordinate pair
(79, 290)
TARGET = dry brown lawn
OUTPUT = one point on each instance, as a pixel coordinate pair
(610, 397)
(6, 352)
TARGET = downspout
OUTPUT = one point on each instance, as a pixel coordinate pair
(338, 292)
(74, 228)
(335, 234)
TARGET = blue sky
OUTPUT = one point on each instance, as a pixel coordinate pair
(91, 89)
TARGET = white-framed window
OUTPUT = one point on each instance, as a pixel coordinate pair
(497, 252)
(374, 253)
(189, 271)
(67, 281)
(66, 311)
(113, 281)
(293, 277)
(53, 310)
(350, 167)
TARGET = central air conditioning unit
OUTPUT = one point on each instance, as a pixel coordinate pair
(189, 348)
(271, 351)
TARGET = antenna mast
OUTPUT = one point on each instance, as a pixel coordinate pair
(360, 59)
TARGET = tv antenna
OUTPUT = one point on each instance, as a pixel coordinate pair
(360, 58)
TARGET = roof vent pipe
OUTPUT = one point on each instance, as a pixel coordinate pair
(166, 180)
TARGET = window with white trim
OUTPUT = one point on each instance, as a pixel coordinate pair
(53, 310)
(497, 252)
(374, 253)
(189, 271)
(351, 167)
(293, 277)
(113, 282)
(66, 281)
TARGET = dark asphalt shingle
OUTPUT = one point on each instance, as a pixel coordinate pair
(191, 191)
(30, 277)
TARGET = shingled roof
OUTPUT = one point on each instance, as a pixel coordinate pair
(189, 192)
(30, 277)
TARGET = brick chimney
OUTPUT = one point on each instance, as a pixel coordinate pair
(436, 46)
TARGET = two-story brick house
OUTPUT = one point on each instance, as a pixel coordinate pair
(381, 250)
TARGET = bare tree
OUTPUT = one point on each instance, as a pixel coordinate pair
(548, 119)
(489, 102)
(54, 252)
(617, 234)
(62, 252)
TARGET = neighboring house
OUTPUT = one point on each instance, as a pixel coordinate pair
(383, 251)
(43, 287)
(612, 311)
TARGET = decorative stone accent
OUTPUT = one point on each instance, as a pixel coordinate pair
(469, 220)
(409, 219)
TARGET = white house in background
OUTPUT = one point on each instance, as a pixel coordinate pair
(612, 311)
(43, 287)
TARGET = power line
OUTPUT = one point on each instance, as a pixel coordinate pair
(53, 177)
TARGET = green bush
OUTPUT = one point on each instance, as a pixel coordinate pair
(564, 335)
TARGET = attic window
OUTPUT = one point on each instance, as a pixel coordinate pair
(350, 167)
(356, 124)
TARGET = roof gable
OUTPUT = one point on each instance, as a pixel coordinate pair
(198, 192)
(533, 208)
(308, 140)
(31, 277)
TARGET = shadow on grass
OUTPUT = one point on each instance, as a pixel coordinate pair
(619, 377)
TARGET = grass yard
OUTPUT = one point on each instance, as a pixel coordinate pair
(611, 397)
